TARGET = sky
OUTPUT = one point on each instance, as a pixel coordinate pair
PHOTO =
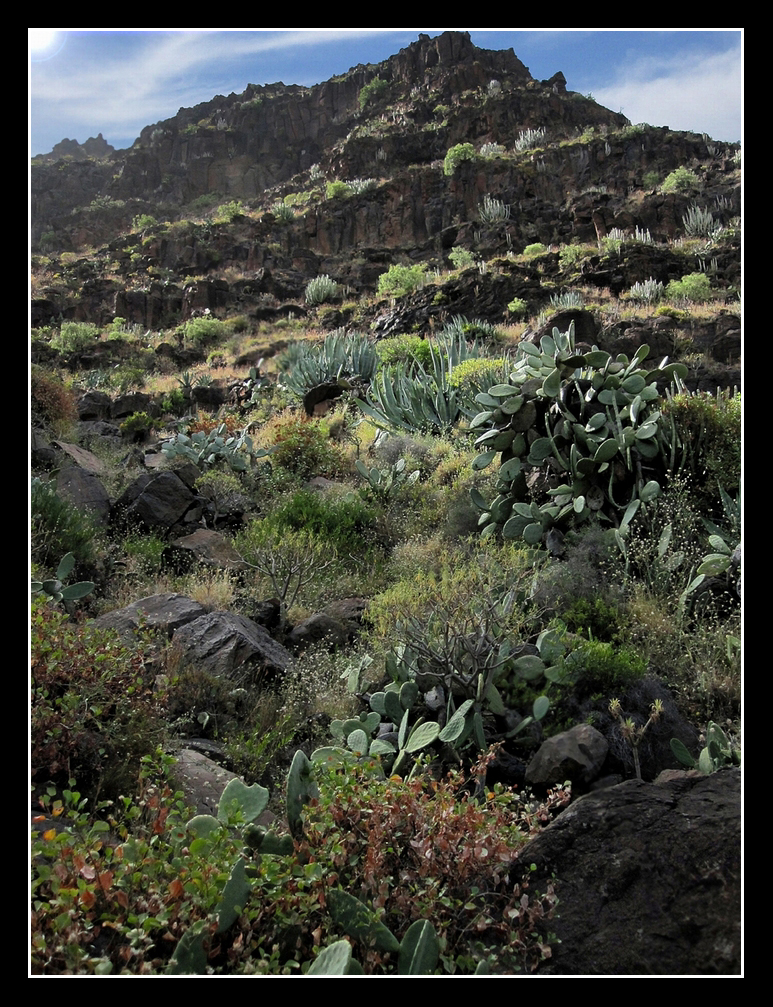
(85, 81)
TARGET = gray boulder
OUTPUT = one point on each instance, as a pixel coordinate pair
(577, 755)
(224, 644)
(164, 612)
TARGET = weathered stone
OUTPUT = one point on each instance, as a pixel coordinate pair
(224, 644)
(156, 501)
(84, 490)
(165, 612)
(576, 754)
(208, 547)
(648, 878)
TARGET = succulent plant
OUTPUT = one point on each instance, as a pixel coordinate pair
(580, 429)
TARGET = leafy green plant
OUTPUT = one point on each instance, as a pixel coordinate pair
(201, 332)
(302, 446)
(699, 222)
(371, 92)
(404, 349)
(679, 180)
(462, 258)
(55, 590)
(227, 213)
(137, 427)
(75, 337)
(337, 190)
(345, 522)
(718, 752)
(647, 291)
(58, 527)
(320, 289)
(591, 420)
(537, 248)
(206, 449)
(694, 287)
(456, 155)
(283, 212)
(143, 221)
(385, 483)
(401, 280)
(566, 299)
(518, 308)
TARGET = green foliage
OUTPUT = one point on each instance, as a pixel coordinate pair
(372, 91)
(694, 287)
(143, 221)
(700, 223)
(321, 289)
(599, 667)
(283, 212)
(718, 752)
(456, 155)
(399, 281)
(531, 251)
(651, 180)
(570, 255)
(337, 190)
(137, 426)
(601, 434)
(518, 308)
(461, 258)
(680, 180)
(58, 527)
(75, 337)
(145, 551)
(227, 213)
(201, 332)
(404, 349)
(54, 589)
(175, 402)
(566, 299)
(303, 447)
(345, 522)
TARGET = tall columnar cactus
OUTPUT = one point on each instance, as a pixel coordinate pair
(578, 434)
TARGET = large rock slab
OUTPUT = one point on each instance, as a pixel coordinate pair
(157, 501)
(577, 755)
(648, 878)
(224, 644)
(164, 612)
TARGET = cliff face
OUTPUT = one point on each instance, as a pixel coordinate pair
(440, 92)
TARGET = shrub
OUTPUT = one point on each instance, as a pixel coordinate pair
(283, 212)
(529, 138)
(461, 258)
(492, 150)
(320, 289)
(137, 426)
(51, 400)
(401, 280)
(699, 222)
(372, 91)
(455, 156)
(535, 249)
(75, 337)
(404, 349)
(648, 291)
(570, 255)
(58, 527)
(142, 221)
(680, 180)
(93, 711)
(226, 213)
(694, 287)
(200, 332)
(337, 190)
(651, 180)
(343, 522)
(303, 447)
(518, 308)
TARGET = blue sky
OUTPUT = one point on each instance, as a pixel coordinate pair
(116, 81)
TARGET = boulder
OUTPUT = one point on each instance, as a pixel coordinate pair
(165, 612)
(577, 755)
(223, 644)
(648, 877)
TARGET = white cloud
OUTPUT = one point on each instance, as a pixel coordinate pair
(692, 91)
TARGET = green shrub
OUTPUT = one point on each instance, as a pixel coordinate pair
(145, 551)
(455, 156)
(518, 308)
(283, 212)
(680, 180)
(694, 287)
(137, 426)
(75, 337)
(570, 255)
(143, 221)
(404, 349)
(226, 213)
(599, 667)
(462, 258)
(321, 289)
(52, 401)
(372, 91)
(201, 332)
(535, 249)
(651, 180)
(337, 190)
(709, 428)
(401, 280)
(58, 527)
(346, 523)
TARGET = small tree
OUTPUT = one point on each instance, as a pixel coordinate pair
(455, 156)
